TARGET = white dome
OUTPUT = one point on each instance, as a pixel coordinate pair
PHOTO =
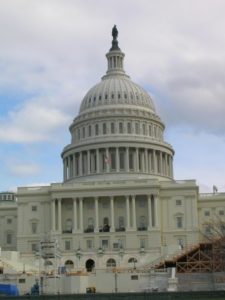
(117, 133)
(116, 90)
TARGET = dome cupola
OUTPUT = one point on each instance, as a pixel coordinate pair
(116, 88)
(117, 132)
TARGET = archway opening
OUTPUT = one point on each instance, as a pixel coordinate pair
(111, 263)
(90, 264)
(69, 264)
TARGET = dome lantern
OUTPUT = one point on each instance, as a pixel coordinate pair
(115, 57)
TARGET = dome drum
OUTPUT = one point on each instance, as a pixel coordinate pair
(108, 159)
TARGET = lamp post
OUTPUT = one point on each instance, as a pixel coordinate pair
(116, 286)
(78, 255)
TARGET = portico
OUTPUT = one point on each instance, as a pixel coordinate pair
(91, 214)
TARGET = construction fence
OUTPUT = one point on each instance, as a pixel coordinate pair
(209, 295)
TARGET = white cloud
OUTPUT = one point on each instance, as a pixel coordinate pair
(53, 51)
(24, 169)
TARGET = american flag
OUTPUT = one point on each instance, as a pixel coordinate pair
(106, 159)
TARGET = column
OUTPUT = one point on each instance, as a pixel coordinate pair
(165, 164)
(112, 229)
(156, 210)
(117, 160)
(137, 160)
(80, 164)
(69, 167)
(142, 161)
(96, 215)
(134, 213)
(107, 161)
(88, 162)
(97, 161)
(59, 216)
(53, 214)
(171, 166)
(149, 213)
(74, 215)
(128, 212)
(146, 161)
(74, 165)
(160, 163)
(127, 159)
(81, 214)
(155, 162)
(64, 169)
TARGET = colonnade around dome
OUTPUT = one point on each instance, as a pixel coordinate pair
(118, 160)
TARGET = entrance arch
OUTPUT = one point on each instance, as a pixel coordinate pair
(90, 264)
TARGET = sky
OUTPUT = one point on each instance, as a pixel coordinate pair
(53, 52)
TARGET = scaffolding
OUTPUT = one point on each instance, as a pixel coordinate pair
(202, 258)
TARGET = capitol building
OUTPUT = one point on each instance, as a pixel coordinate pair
(119, 204)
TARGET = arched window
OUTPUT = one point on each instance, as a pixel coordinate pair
(111, 263)
(132, 262)
(48, 263)
(69, 264)
(90, 264)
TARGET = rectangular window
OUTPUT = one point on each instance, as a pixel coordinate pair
(221, 212)
(105, 244)
(142, 243)
(131, 161)
(113, 160)
(178, 202)
(120, 127)
(155, 132)
(104, 128)
(207, 213)
(83, 132)
(90, 244)
(89, 130)
(143, 129)
(34, 247)
(9, 221)
(112, 128)
(9, 238)
(96, 129)
(134, 277)
(136, 128)
(34, 208)
(121, 157)
(179, 222)
(22, 280)
(34, 227)
(129, 128)
(67, 245)
(207, 230)
(115, 245)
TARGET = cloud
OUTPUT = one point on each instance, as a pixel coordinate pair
(33, 122)
(53, 51)
(24, 169)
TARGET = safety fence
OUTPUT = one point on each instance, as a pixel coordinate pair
(206, 295)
